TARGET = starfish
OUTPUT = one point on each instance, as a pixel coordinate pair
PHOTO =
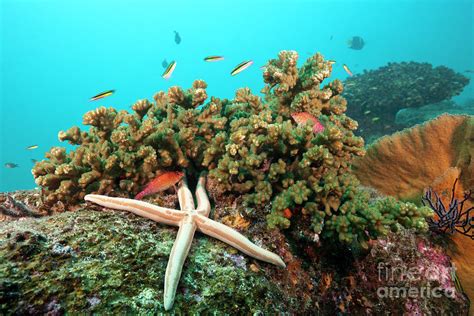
(188, 219)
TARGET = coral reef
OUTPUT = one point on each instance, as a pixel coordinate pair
(408, 274)
(189, 219)
(453, 216)
(306, 174)
(375, 97)
(105, 262)
(20, 204)
(412, 116)
(404, 164)
(99, 261)
(251, 148)
(432, 155)
(123, 151)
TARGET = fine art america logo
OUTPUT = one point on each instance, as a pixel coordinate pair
(394, 276)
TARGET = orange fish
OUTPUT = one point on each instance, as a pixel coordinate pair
(160, 183)
(287, 213)
(302, 118)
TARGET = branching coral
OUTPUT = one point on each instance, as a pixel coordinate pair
(269, 159)
(376, 96)
(251, 147)
(123, 151)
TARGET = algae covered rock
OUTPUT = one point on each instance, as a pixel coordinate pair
(113, 262)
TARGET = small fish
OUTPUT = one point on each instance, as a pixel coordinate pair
(33, 160)
(331, 38)
(11, 165)
(177, 38)
(102, 95)
(356, 42)
(32, 147)
(241, 67)
(160, 183)
(169, 70)
(347, 70)
(469, 71)
(164, 63)
(304, 117)
(214, 58)
(287, 213)
(367, 112)
(375, 119)
(332, 62)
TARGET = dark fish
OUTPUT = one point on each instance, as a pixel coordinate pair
(331, 38)
(33, 160)
(32, 147)
(11, 165)
(469, 71)
(177, 38)
(356, 42)
(102, 95)
(164, 63)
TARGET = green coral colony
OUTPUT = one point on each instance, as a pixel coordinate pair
(250, 146)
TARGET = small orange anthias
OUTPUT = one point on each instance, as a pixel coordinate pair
(304, 117)
(160, 183)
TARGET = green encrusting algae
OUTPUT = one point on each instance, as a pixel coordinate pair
(90, 261)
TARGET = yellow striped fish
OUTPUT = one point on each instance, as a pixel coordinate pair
(102, 95)
(349, 72)
(214, 58)
(241, 67)
(169, 70)
(32, 147)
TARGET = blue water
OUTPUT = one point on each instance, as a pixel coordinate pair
(56, 54)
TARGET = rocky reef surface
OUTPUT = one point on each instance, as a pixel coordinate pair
(95, 260)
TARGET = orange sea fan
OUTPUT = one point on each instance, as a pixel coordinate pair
(427, 155)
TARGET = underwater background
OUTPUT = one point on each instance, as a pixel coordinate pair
(56, 55)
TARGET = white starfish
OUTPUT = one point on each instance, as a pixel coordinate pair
(188, 219)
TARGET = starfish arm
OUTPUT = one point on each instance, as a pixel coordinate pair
(204, 206)
(185, 197)
(158, 214)
(237, 240)
(178, 255)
